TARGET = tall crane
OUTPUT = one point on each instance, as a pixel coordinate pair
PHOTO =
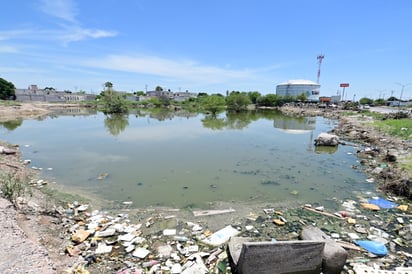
(320, 58)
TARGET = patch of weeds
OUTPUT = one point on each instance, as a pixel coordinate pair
(56, 197)
(406, 164)
(396, 127)
(12, 186)
(349, 113)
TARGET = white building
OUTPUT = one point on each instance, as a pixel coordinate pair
(297, 87)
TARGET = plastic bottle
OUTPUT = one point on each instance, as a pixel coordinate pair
(180, 238)
(150, 263)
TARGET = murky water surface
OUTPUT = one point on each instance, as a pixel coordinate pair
(181, 159)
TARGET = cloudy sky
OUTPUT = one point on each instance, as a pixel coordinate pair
(208, 46)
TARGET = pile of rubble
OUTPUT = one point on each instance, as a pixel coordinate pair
(380, 156)
(160, 243)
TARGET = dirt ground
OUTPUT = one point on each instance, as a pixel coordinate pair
(29, 233)
(23, 110)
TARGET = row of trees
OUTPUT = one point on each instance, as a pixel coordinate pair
(377, 102)
(239, 101)
(114, 102)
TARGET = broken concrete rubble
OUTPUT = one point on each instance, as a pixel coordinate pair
(247, 256)
(187, 245)
(333, 255)
(326, 139)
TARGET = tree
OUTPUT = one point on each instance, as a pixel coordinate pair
(202, 94)
(270, 100)
(159, 88)
(139, 93)
(254, 96)
(113, 101)
(7, 90)
(288, 98)
(238, 101)
(213, 103)
(379, 102)
(108, 85)
(365, 101)
(302, 97)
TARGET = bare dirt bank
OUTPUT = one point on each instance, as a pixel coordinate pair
(10, 111)
(22, 111)
(29, 233)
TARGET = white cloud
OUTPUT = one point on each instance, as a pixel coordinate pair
(184, 70)
(63, 9)
(74, 34)
(8, 49)
(15, 34)
(71, 29)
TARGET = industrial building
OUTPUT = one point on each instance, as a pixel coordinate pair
(297, 87)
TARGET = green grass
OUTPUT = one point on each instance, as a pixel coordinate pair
(364, 112)
(406, 164)
(396, 127)
(375, 115)
(9, 103)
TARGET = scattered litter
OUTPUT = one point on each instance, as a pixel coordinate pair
(278, 222)
(403, 207)
(382, 203)
(103, 248)
(163, 244)
(364, 269)
(199, 213)
(140, 252)
(80, 236)
(169, 232)
(374, 247)
(370, 206)
(221, 236)
(102, 176)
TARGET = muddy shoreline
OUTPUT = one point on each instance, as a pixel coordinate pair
(34, 228)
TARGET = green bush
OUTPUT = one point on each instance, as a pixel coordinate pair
(12, 186)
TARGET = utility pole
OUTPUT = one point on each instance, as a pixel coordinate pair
(320, 58)
(403, 87)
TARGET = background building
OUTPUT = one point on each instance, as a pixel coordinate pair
(297, 87)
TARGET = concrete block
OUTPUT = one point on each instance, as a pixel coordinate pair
(334, 256)
(304, 257)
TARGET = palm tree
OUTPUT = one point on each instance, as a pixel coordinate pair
(108, 85)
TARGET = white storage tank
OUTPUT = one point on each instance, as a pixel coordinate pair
(297, 87)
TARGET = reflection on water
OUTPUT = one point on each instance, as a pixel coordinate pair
(11, 125)
(187, 159)
(295, 124)
(326, 149)
(116, 123)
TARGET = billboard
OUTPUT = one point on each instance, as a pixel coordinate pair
(344, 85)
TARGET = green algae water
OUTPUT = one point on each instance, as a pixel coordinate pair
(180, 159)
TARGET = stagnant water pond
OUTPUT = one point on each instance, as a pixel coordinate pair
(181, 159)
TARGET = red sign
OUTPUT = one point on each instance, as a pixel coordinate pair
(344, 85)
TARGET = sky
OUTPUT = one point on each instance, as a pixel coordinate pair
(208, 46)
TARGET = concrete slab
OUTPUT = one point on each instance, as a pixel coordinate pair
(304, 257)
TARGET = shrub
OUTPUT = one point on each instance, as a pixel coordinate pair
(12, 185)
